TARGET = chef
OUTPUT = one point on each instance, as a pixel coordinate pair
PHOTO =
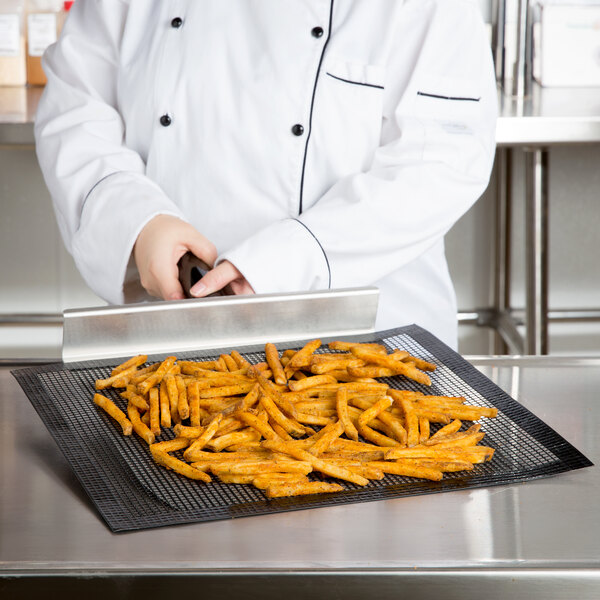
(296, 145)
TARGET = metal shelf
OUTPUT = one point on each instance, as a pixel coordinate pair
(549, 116)
(18, 106)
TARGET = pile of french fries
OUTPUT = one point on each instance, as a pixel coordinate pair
(254, 424)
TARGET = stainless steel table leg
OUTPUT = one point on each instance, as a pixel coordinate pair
(536, 238)
(502, 271)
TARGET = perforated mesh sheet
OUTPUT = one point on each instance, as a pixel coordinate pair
(131, 492)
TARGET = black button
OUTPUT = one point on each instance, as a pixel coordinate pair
(317, 32)
(297, 129)
(177, 22)
(165, 120)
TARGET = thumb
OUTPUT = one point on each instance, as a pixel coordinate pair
(216, 279)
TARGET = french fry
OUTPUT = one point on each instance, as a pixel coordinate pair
(203, 438)
(372, 412)
(326, 363)
(470, 413)
(412, 422)
(140, 428)
(173, 394)
(395, 365)
(435, 416)
(290, 426)
(187, 432)
(452, 427)
(445, 466)
(318, 464)
(474, 454)
(179, 466)
(378, 438)
(347, 346)
(134, 361)
(229, 439)
(193, 397)
(240, 361)
(249, 468)
(170, 445)
(188, 367)
(165, 406)
(261, 426)
(397, 468)
(135, 399)
(421, 364)
(157, 375)
(264, 480)
(115, 412)
(278, 490)
(424, 430)
(392, 423)
(314, 419)
(142, 373)
(115, 380)
(272, 356)
(227, 390)
(309, 382)
(251, 398)
(270, 391)
(331, 432)
(280, 431)
(154, 411)
(468, 439)
(183, 407)
(302, 357)
(342, 412)
(370, 371)
(239, 479)
(248, 455)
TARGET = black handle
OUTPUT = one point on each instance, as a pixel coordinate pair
(191, 270)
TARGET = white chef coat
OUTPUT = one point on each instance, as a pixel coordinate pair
(317, 143)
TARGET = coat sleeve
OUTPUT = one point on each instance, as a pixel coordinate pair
(96, 182)
(434, 166)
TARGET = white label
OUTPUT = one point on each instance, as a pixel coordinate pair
(9, 35)
(41, 32)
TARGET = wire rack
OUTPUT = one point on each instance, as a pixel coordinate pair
(131, 492)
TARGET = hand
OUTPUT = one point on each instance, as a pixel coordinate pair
(223, 275)
(158, 248)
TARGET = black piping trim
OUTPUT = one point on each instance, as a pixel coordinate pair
(448, 97)
(380, 87)
(312, 103)
(97, 184)
(322, 250)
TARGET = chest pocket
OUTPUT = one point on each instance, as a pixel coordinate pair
(348, 115)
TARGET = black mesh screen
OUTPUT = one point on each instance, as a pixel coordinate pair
(131, 492)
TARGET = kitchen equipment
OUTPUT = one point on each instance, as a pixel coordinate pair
(567, 43)
(220, 321)
(131, 492)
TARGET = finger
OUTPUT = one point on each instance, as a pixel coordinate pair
(216, 279)
(202, 248)
(165, 276)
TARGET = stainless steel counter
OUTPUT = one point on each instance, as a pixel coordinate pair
(540, 539)
(18, 106)
(550, 116)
